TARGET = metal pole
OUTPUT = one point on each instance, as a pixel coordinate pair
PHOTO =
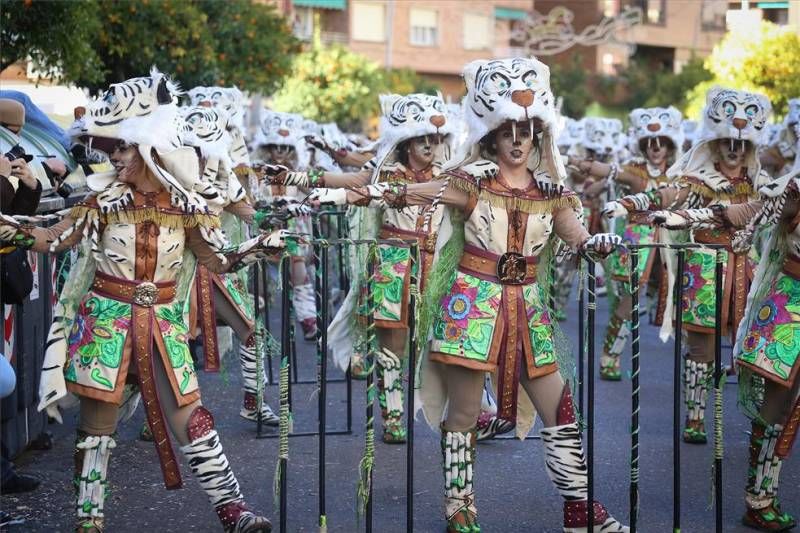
(344, 286)
(634, 483)
(286, 340)
(320, 299)
(412, 367)
(676, 392)
(256, 316)
(590, 395)
(719, 376)
(370, 357)
(265, 283)
(581, 336)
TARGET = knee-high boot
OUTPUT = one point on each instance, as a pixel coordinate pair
(763, 508)
(210, 466)
(247, 358)
(390, 395)
(458, 454)
(566, 466)
(92, 453)
(697, 378)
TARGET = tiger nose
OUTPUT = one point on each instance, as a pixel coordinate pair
(205, 103)
(438, 120)
(283, 133)
(79, 112)
(653, 127)
(522, 98)
(739, 123)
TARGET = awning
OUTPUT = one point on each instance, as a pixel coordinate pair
(321, 4)
(509, 13)
(772, 5)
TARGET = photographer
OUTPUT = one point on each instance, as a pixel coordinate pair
(20, 190)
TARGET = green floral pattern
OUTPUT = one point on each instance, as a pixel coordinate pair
(390, 275)
(96, 341)
(176, 341)
(697, 287)
(619, 262)
(539, 327)
(773, 340)
(234, 286)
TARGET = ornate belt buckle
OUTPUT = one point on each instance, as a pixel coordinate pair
(430, 243)
(511, 268)
(145, 294)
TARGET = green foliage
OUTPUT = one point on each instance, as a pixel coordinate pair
(97, 42)
(55, 35)
(765, 59)
(570, 84)
(331, 84)
(649, 88)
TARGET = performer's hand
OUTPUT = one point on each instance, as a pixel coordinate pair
(602, 243)
(742, 240)
(613, 210)
(318, 142)
(292, 207)
(274, 174)
(328, 197)
(668, 219)
(8, 228)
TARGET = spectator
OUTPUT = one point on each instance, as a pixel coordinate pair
(20, 191)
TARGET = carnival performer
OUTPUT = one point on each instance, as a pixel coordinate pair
(658, 136)
(138, 233)
(225, 297)
(280, 141)
(721, 168)
(505, 201)
(768, 338)
(780, 154)
(415, 139)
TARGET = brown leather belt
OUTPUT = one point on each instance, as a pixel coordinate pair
(142, 293)
(427, 241)
(507, 269)
(706, 236)
(791, 266)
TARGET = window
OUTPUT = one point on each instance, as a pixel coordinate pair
(369, 22)
(610, 8)
(654, 11)
(303, 23)
(424, 29)
(478, 31)
(712, 14)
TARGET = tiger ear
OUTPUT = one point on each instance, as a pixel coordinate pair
(633, 118)
(162, 92)
(471, 71)
(713, 92)
(387, 101)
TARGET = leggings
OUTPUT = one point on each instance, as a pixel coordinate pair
(100, 418)
(465, 390)
(230, 316)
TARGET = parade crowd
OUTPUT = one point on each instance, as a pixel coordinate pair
(500, 193)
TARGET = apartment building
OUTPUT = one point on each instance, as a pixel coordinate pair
(433, 37)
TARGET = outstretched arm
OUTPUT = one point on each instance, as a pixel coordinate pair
(394, 196)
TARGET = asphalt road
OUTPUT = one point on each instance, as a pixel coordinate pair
(514, 493)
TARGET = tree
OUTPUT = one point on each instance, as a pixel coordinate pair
(405, 80)
(765, 59)
(570, 84)
(57, 36)
(650, 88)
(199, 42)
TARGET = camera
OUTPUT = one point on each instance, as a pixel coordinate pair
(18, 152)
(63, 189)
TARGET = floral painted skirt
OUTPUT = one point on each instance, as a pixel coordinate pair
(392, 282)
(618, 264)
(488, 326)
(698, 294)
(771, 345)
(100, 354)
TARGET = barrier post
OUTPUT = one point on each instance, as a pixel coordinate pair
(634, 475)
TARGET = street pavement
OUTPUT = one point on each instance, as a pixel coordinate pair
(513, 491)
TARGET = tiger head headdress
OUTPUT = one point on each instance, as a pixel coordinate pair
(740, 116)
(142, 111)
(651, 123)
(206, 128)
(502, 90)
(283, 130)
(603, 136)
(230, 99)
(405, 117)
(570, 134)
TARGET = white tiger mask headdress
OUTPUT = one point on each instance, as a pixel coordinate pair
(230, 99)
(728, 114)
(142, 111)
(602, 135)
(788, 135)
(571, 133)
(654, 122)
(690, 129)
(405, 117)
(502, 90)
(206, 128)
(282, 129)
